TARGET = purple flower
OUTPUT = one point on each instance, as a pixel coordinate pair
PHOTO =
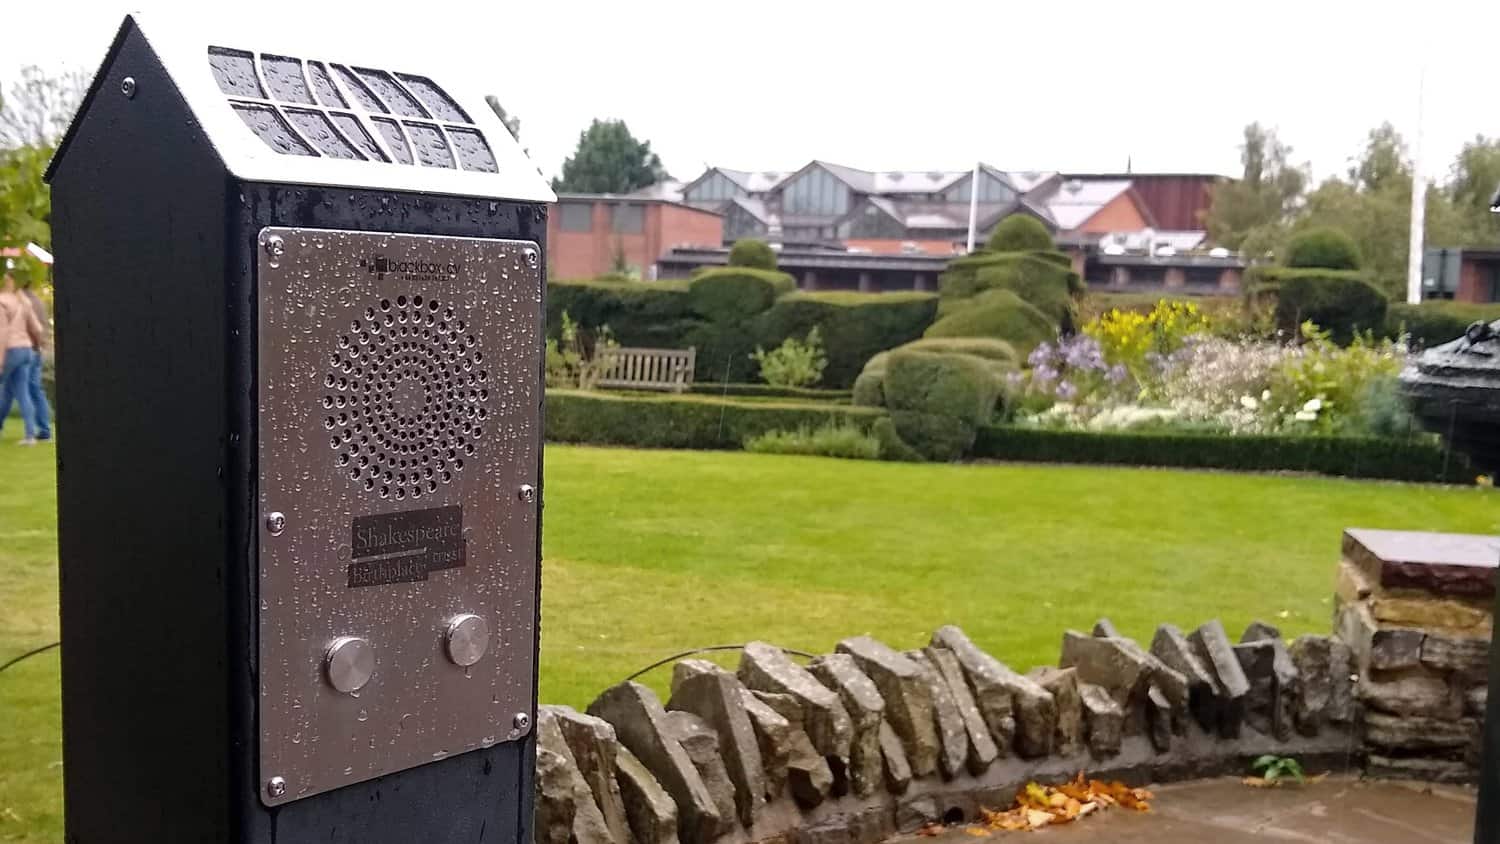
(1014, 379)
(1066, 391)
(1043, 374)
(1040, 356)
(1117, 374)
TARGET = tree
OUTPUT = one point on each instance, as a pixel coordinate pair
(1472, 182)
(1251, 214)
(36, 108)
(1383, 165)
(609, 160)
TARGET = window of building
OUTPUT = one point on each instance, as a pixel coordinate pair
(626, 219)
(575, 217)
(815, 192)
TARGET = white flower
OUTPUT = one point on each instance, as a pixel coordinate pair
(1249, 402)
(1307, 416)
(1313, 406)
(1265, 395)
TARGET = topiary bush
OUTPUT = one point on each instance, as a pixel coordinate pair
(854, 326)
(1039, 283)
(1323, 248)
(1340, 302)
(980, 347)
(1000, 315)
(752, 253)
(1434, 323)
(684, 421)
(733, 294)
(1026, 271)
(1019, 233)
(937, 400)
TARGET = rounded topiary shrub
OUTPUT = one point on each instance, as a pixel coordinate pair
(1323, 248)
(869, 387)
(960, 386)
(756, 254)
(1019, 233)
(981, 347)
(1339, 302)
(1000, 315)
(736, 293)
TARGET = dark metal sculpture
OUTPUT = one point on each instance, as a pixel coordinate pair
(1455, 390)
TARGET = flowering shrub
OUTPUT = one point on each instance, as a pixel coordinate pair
(1137, 341)
(1212, 383)
(795, 363)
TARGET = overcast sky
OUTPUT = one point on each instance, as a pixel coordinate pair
(1078, 85)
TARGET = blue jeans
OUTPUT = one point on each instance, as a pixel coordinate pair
(15, 380)
(39, 404)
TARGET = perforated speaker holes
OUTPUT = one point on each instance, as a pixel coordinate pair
(407, 398)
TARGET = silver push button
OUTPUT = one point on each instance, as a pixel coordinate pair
(350, 662)
(466, 640)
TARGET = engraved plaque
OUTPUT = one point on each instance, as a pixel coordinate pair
(399, 397)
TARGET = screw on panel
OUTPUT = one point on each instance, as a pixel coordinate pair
(522, 722)
(526, 493)
(276, 787)
(275, 246)
(127, 87)
(531, 257)
(276, 523)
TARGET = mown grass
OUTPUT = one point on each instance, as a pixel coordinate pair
(648, 553)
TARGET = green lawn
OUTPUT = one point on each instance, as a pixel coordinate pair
(652, 552)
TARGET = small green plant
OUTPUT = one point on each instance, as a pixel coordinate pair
(795, 363)
(1274, 769)
(831, 440)
(571, 363)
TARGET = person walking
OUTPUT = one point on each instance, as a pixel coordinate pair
(22, 334)
(39, 404)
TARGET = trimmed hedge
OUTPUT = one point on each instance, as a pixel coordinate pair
(726, 294)
(1001, 315)
(1355, 457)
(1323, 248)
(1341, 302)
(1437, 322)
(750, 252)
(709, 388)
(937, 399)
(1027, 271)
(854, 326)
(1039, 283)
(1019, 233)
(696, 422)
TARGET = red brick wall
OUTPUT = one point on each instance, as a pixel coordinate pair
(575, 255)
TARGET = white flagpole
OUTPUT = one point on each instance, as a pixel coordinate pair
(1418, 204)
(973, 205)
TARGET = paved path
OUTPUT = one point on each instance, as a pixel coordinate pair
(1335, 811)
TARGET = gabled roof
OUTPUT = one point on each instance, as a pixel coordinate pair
(184, 54)
(754, 181)
(1073, 202)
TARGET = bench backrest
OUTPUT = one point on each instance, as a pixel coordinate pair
(648, 369)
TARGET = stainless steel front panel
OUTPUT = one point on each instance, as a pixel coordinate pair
(399, 431)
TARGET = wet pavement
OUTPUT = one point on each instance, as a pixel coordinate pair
(1225, 811)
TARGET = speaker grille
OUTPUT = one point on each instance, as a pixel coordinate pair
(407, 397)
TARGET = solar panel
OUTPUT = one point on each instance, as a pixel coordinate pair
(328, 110)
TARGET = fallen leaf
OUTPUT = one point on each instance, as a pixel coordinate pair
(977, 832)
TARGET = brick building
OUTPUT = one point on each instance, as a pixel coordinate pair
(589, 235)
(1465, 274)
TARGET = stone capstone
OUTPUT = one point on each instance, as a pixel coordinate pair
(1062, 684)
(1313, 658)
(555, 807)
(908, 699)
(893, 754)
(594, 746)
(983, 751)
(773, 735)
(866, 709)
(1103, 720)
(767, 668)
(648, 808)
(1172, 649)
(1159, 719)
(642, 726)
(701, 744)
(717, 697)
(999, 691)
(948, 721)
(588, 823)
(1213, 648)
(1273, 686)
(1105, 629)
(809, 775)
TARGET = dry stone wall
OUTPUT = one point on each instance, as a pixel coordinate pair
(867, 741)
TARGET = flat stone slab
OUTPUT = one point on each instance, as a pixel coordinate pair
(1223, 811)
(1441, 563)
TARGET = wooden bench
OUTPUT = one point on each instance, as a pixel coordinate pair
(648, 369)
